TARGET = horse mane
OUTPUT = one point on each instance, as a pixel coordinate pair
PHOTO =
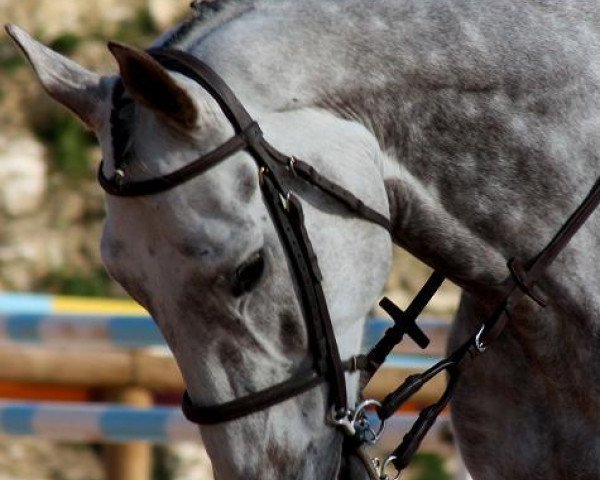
(204, 8)
(207, 15)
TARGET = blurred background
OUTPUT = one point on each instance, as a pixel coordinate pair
(51, 213)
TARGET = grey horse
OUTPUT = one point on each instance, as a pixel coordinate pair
(472, 124)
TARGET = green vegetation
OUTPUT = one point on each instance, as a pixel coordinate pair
(69, 143)
(161, 468)
(10, 58)
(93, 283)
(67, 43)
(145, 23)
(429, 466)
(138, 30)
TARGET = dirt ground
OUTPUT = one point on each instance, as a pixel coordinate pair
(35, 459)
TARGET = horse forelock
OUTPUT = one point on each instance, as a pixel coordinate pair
(207, 16)
(121, 122)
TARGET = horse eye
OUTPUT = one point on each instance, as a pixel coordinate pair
(248, 274)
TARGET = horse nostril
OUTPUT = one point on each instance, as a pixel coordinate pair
(247, 275)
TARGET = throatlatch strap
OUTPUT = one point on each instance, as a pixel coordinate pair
(308, 173)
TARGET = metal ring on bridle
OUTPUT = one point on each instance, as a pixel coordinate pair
(383, 467)
(284, 198)
(119, 176)
(360, 409)
(291, 163)
(285, 201)
(479, 345)
(261, 175)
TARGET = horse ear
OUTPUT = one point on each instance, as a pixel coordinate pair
(151, 85)
(68, 83)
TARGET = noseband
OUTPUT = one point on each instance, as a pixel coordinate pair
(328, 367)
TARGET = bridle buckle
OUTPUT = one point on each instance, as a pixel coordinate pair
(480, 344)
(119, 176)
(285, 201)
(262, 171)
(292, 165)
(343, 419)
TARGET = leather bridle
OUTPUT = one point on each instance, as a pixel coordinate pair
(286, 212)
(328, 367)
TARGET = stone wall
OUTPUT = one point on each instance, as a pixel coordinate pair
(50, 219)
(51, 18)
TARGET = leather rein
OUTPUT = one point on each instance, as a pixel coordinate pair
(286, 212)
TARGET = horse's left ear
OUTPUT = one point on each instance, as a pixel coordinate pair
(78, 89)
(151, 85)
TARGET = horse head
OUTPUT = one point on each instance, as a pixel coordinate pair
(471, 125)
(206, 261)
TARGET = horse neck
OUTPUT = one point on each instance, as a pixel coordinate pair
(417, 118)
(432, 118)
(259, 47)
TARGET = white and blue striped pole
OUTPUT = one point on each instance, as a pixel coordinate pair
(113, 330)
(95, 422)
(113, 423)
(123, 330)
(130, 332)
(52, 320)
